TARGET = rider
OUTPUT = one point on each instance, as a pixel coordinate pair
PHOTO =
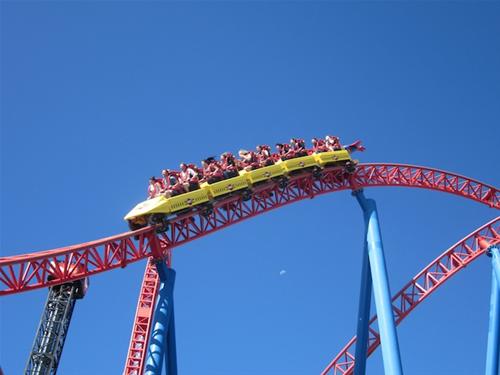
(189, 178)
(229, 165)
(298, 147)
(249, 160)
(154, 187)
(212, 171)
(264, 155)
(284, 151)
(171, 184)
(333, 143)
(319, 145)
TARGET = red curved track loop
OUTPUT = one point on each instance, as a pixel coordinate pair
(422, 286)
(374, 174)
(30, 271)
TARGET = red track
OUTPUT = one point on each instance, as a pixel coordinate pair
(142, 321)
(26, 272)
(422, 286)
(134, 365)
(30, 271)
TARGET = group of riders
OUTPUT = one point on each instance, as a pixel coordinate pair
(190, 176)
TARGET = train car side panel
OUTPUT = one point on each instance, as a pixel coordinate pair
(188, 200)
(299, 163)
(225, 186)
(324, 158)
(263, 173)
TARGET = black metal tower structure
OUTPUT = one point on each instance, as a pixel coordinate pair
(53, 328)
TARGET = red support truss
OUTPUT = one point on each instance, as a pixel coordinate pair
(30, 271)
(372, 174)
(26, 272)
(420, 287)
(134, 365)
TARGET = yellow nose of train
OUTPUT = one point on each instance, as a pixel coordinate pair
(151, 206)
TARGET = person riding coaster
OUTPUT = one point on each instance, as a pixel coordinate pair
(285, 152)
(264, 155)
(333, 143)
(171, 186)
(299, 147)
(154, 187)
(249, 160)
(319, 145)
(189, 178)
(229, 165)
(212, 171)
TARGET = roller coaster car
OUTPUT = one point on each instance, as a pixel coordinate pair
(160, 204)
(332, 157)
(81, 285)
(299, 163)
(225, 186)
(154, 211)
(262, 174)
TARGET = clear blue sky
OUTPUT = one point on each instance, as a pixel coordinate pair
(98, 96)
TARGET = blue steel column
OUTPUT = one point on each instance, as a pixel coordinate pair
(382, 294)
(495, 261)
(493, 350)
(171, 353)
(365, 295)
(159, 347)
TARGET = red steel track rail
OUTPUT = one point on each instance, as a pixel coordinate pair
(375, 174)
(27, 272)
(421, 287)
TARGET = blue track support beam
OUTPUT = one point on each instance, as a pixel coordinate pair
(493, 349)
(171, 353)
(159, 347)
(365, 295)
(382, 294)
(495, 261)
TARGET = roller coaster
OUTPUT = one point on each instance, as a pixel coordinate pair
(152, 350)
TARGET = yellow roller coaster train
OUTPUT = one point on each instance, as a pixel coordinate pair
(142, 213)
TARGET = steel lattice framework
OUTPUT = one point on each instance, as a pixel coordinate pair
(51, 333)
(31, 271)
(134, 364)
(26, 272)
(374, 174)
(421, 287)
(141, 330)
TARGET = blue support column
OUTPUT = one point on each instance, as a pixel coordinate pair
(493, 349)
(362, 335)
(381, 291)
(159, 345)
(171, 353)
(495, 261)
